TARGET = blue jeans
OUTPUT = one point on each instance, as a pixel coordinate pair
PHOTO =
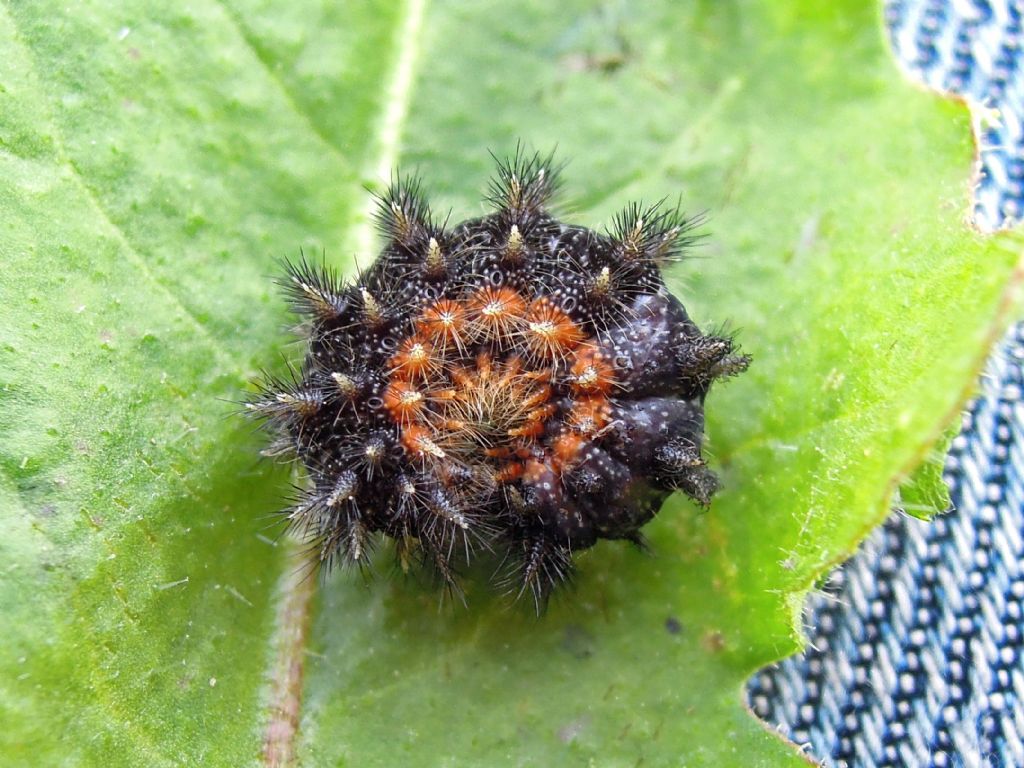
(916, 654)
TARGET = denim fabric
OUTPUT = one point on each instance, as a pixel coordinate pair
(973, 48)
(916, 654)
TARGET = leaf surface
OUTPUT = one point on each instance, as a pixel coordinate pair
(154, 165)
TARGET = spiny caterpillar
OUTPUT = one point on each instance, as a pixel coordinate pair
(512, 384)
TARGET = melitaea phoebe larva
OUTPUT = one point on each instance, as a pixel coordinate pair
(512, 384)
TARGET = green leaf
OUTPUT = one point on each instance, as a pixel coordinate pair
(924, 493)
(155, 162)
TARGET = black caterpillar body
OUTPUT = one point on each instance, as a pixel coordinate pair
(513, 384)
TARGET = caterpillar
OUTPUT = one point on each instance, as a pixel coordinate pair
(512, 384)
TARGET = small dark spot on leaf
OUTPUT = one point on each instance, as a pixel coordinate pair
(673, 625)
(604, 63)
(713, 641)
(578, 642)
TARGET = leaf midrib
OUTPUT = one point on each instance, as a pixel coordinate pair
(291, 632)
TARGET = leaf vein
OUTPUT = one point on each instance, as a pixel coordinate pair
(295, 597)
(247, 39)
(63, 157)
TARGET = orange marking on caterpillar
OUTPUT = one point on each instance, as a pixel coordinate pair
(589, 415)
(419, 441)
(566, 450)
(591, 372)
(443, 322)
(416, 358)
(496, 313)
(550, 333)
(404, 401)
